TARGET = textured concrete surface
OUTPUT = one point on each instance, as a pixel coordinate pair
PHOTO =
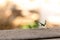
(30, 33)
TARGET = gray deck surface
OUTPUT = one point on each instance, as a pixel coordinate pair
(29, 33)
